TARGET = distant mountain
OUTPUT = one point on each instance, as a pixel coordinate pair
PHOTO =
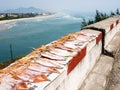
(23, 10)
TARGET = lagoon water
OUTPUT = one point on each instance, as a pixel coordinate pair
(26, 35)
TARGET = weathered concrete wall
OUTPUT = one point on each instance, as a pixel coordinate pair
(109, 27)
(75, 78)
(101, 77)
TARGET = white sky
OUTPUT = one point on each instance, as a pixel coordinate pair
(58, 5)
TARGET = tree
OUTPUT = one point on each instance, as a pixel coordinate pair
(112, 13)
(117, 11)
(84, 23)
(6, 16)
(90, 22)
(98, 17)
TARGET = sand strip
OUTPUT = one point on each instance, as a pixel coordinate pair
(4, 23)
(21, 19)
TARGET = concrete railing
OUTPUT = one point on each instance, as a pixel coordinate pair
(90, 43)
(72, 78)
(109, 27)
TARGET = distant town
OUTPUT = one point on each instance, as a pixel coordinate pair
(9, 16)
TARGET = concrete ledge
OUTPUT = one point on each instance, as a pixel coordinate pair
(80, 72)
(114, 43)
(109, 26)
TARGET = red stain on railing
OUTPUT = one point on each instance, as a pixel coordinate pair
(98, 38)
(111, 26)
(76, 59)
(117, 22)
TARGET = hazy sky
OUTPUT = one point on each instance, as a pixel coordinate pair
(58, 5)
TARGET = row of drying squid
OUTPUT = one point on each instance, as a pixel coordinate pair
(43, 61)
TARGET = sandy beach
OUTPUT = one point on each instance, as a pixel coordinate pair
(3, 23)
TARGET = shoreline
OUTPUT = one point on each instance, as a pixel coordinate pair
(3, 23)
(21, 19)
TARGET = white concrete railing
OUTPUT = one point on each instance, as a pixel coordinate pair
(74, 79)
(75, 68)
(110, 27)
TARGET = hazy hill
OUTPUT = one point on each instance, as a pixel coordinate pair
(23, 10)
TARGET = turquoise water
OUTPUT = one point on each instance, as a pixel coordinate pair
(26, 35)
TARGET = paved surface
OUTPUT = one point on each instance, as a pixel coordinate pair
(97, 78)
(114, 77)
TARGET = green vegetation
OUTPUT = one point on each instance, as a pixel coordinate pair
(98, 17)
(8, 16)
